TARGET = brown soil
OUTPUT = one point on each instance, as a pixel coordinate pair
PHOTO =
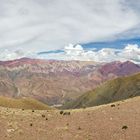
(117, 121)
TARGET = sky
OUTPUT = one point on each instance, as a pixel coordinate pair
(91, 30)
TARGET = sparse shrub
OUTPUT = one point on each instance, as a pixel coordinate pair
(20, 131)
(43, 116)
(31, 124)
(131, 96)
(46, 118)
(66, 113)
(61, 112)
(124, 127)
(79, 128)
(112, 105)
(33, 111)
(88, 114)
(22, 109)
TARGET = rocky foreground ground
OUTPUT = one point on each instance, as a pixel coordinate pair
(116, 121)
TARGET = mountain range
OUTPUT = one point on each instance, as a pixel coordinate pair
(56, 82)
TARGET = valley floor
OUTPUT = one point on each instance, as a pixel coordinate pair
(116, 121)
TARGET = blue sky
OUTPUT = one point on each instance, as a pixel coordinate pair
(117, 44)
(29, 27)
(120, 44)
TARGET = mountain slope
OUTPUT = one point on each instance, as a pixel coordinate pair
(56, 82)
(114, 90)
(24, 103)
(95, 123)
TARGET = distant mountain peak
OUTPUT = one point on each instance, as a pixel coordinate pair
(120, 68)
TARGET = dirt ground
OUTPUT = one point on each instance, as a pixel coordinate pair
(116, 121)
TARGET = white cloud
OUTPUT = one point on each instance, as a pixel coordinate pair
(11, 55)
(76, 52)
(72, 52)
(38, 25)
(130, 53)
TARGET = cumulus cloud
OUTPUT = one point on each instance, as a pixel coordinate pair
(38, 25)
(76, 52)
(131, 52)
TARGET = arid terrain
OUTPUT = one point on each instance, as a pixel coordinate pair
(30, 89)
(56, 82)
(116, 121)
(69, 69)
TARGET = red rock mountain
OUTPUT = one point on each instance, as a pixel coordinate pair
(55, 82)
(119, 69)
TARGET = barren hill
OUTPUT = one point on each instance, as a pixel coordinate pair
(22, 103)
(117, 121)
